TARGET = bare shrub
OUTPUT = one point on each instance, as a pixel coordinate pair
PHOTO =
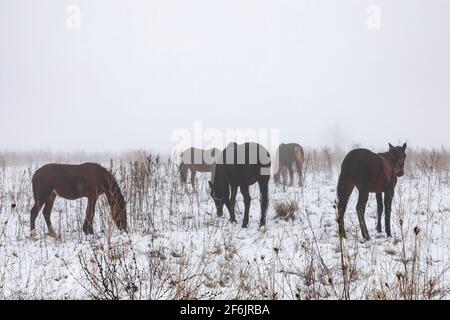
(178, 249)
(285, 210)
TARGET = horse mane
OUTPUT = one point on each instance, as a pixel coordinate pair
(390, 156)
(219, 173)
(112, 190)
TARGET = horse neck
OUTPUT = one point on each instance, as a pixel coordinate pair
(112, 189)
(218, 173)
(220, 179)
(391, 159)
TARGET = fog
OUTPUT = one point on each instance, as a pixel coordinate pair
(135, 71)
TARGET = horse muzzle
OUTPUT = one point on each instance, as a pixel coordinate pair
(219, 211)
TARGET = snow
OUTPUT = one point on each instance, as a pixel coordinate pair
(178, 248)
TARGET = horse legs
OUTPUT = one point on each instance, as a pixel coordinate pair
(88, 221)
(379, 210)
(193, 173)
(276, 177)
(264, 190)
(388, 196)
(291, 176)
(47, 212)
(231, 203)
(33, 215)
(360, 210)
(247, 201)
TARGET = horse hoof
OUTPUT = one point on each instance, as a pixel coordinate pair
(88, 229)
(88, 232)
(54, 235)
(33, 234)
(51, 232)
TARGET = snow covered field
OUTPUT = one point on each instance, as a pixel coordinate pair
(177, 248)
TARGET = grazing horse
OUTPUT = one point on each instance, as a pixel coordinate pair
(240, 166)
(73, 182)
(195, 159)
(370, 172)
(288, 155)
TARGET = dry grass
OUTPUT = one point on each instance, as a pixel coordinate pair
(286, 210)
(179, 249)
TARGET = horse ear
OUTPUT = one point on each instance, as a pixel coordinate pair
(391, 146)
(210, 184)
(404, 146)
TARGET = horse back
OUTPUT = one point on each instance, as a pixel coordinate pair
(245, 170)
(289, 153)
(368, 170)
(199, 159)
(69, 181)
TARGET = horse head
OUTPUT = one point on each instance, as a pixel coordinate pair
(218, 197)
(399, 156)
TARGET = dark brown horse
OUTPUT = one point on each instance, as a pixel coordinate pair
(195, 159)
(370, 172)
(288, 155)
(73, 182)
(240, 166)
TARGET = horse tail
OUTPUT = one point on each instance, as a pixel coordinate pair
(41, 187)
(344, 190)
(299, 155)
(340, 187)
(34, 187)
(341, 204)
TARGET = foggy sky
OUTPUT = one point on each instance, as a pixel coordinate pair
(137, 70)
